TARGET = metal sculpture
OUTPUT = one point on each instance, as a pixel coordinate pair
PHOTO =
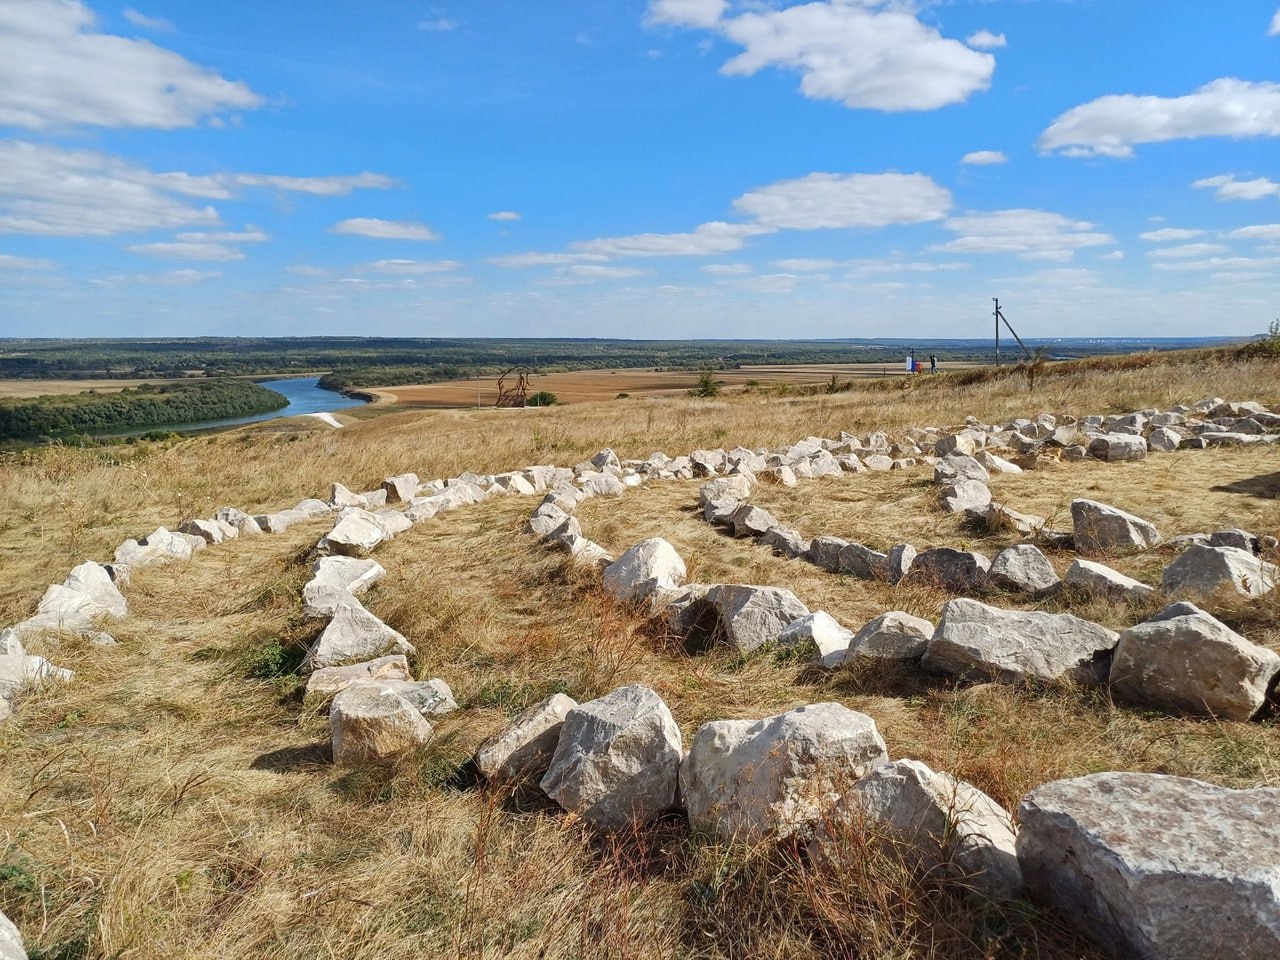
(513, 394)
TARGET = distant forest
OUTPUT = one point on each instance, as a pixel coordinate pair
(360, 361)
(146, 405)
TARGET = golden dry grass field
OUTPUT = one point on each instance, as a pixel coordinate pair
(581, 386)
(41, 388)
(177, 800)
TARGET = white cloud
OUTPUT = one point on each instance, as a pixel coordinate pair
(384, 229)
(52, 191)
(1274, 29)
(870, 54)
(727, 269)
(9, 262)
(1030, 234)
(1168, 234)
(1113, 255)
(986, 40)
(706, 240)
(1227, 187)
(1220, 263)
(238, 236)
(188, 251)
(591, 271)
(49, 191)
(504, 215)
(1262, 231)
(1111, 125)
(156, 24)
(829, 200)
(805, 265)
(902, 266)
(338, 186)
(438, 25)
(56, 70)
(1187, 251)
(687, 13)
(306, 270)
(171, 278)
(409, 267)
(520, 260)
(984, 158)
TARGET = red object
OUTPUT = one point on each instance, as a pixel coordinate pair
(918, 366)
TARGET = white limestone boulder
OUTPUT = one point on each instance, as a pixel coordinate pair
(401, 488)
(1185, 661)
(337, 580)
(1025, 569)
(1117, 447)
(643, 569)
(1099, 529)
(357, 533)
(1091, 577)
(751, 521)
(751, 617)
(895, 635)
(330, 681)
(369, 724)
(340, 496)
(749, 779)
(354, 635)
(820, 635)
(940, 822)
(980, 642)
(736, 486)
(961, 571)
(1202, 570)
(521, 751)
(617, 760)
(1157, 867)
(11, 945)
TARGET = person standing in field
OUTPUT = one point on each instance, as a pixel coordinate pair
(933, 363)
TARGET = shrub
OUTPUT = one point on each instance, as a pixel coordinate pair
(543, 398)
(707, 385)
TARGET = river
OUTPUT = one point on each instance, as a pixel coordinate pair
(302, 392)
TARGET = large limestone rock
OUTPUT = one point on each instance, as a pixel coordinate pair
(962, 571)
(642, 570)
(751, 617)
(337, 580)
(749, 521)
(958, 466)
(159, 546)
(1201, 570)
(73, 606)
(1099, 528)
(353, 636)
(976, 641)
(211, 531)
(11, 946)
(521, 751)
(1113, 447)
(341, 496)
(1157, 867)
(401, 488)
(329, 681)
(604, 485)
(737, 486)
(18, 668)
(1090, 577)
(617, 759)
(357, 533)
(820, 634)
(369, 724)
(1024, 568)
(892, 636)
(786, 541)
(751, 778)
(1185, 661)
(944, 822)
(961, 495)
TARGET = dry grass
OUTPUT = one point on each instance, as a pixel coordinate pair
(177, 799)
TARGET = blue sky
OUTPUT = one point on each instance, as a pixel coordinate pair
(669, 168)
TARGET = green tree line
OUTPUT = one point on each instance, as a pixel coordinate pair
(145, 405)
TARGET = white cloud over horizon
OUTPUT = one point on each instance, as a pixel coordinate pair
(1166, 234)
(984, 158)
(187, 250)
(832, 201)
(1028, 234)
(866, 54)
(1111, 126)
(986, 40)
(384, 229)
(1227, 187)
(56, 70)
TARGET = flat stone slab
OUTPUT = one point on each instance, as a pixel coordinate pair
(1157, 867)
(976, 641)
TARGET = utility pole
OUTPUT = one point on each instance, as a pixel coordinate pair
(996, 301)
(999, 320)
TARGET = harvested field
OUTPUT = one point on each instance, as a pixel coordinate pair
(582, 386)
(44, 388)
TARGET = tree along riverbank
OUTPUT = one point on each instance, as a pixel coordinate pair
(55, 416)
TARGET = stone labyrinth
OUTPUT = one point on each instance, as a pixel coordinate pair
(1155, 866)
